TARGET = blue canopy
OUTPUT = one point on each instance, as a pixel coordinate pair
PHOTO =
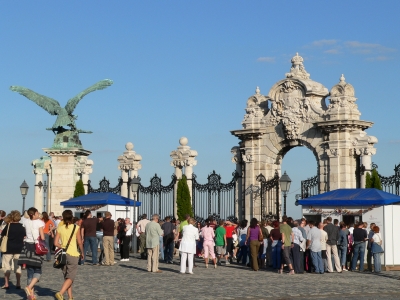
(352, 197)
(99, 199)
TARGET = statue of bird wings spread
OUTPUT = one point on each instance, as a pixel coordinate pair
(64, 115)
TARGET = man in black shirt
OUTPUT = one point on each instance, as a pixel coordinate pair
(331, 245)
(169, 236)
(359, 238)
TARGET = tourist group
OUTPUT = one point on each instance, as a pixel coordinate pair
(290, 246)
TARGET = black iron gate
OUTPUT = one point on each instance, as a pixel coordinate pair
(309, 187)
(214, 198)
(104, 187)
(269, 194)
(157, 198)
(390, 184)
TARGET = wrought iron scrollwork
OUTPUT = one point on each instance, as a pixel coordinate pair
(104, 187)
(390, 184)
(309, 187)
(215, 194)
(269, 193)
(157, 198)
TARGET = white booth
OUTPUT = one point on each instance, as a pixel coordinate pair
(366, 205)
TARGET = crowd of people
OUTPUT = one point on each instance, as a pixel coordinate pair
(300, 245)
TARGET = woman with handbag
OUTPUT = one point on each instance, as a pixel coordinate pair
(68, 238)
(13, 241)
(376, 249)
(29, 256)
(253, 238)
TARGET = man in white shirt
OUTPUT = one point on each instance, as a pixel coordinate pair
(141, 227)
(324, 238)
(314, 244)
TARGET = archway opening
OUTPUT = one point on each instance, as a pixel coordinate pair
(299, 163)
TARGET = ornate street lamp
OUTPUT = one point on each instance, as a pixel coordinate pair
(134, 187)
(24, 191)
(284, 183)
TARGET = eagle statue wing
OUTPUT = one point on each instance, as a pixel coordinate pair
(49, 104)
(73, 102)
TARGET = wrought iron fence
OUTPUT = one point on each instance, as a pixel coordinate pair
(309, 187)
(104, 187)
(269, 194)
(157, 198)
(390, 184)
(214, 197)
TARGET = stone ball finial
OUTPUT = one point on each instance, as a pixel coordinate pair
(342, 79)
(129, 146)
(183, 141)
(257, 90)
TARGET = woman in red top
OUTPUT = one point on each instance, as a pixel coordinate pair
(230, 229)
(48, 233)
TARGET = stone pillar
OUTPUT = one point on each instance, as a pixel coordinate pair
(185, 158)
(83, 168)
(63, 175)
(366, 161)
(41, 166)
(129, 164)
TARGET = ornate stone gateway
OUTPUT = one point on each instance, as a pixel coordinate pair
(301, 112)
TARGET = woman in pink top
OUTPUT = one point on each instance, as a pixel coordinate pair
(208, 245)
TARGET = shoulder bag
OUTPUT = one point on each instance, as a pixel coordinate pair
(4, 240)
(60, 255)
(40, 245)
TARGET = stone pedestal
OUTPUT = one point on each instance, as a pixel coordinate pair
(183, 159)
(41, 171)
(129, 164)
(63, 176)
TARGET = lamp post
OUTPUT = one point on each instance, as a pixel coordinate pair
(44, 186)
(134, 187)
(284, 183)
(24, 191)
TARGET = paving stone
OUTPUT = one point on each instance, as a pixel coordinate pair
(130, 280)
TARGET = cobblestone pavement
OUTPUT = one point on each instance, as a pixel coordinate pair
(130, 280)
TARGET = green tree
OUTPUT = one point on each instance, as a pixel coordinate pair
(368, 183)
(79, 189)
(183, 203)
(375, 180)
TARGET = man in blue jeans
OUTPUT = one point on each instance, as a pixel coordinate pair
(88, 232)
(314, 244)
(359, 238)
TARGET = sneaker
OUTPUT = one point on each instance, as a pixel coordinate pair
(215, 266)
(191, 273)
(206, 266)
(345, 270)
(227, 263)
(58, 296)
(122, 259)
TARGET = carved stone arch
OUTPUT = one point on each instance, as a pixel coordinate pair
(299, 116)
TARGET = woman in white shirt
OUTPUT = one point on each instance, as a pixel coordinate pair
(187, 246)
(376, 238)
(34, 229)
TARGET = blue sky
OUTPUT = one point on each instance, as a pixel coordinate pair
(184, 68)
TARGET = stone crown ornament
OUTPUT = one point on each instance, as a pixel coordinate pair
(297, 70)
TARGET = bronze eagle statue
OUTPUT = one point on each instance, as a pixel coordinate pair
(64, 114)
